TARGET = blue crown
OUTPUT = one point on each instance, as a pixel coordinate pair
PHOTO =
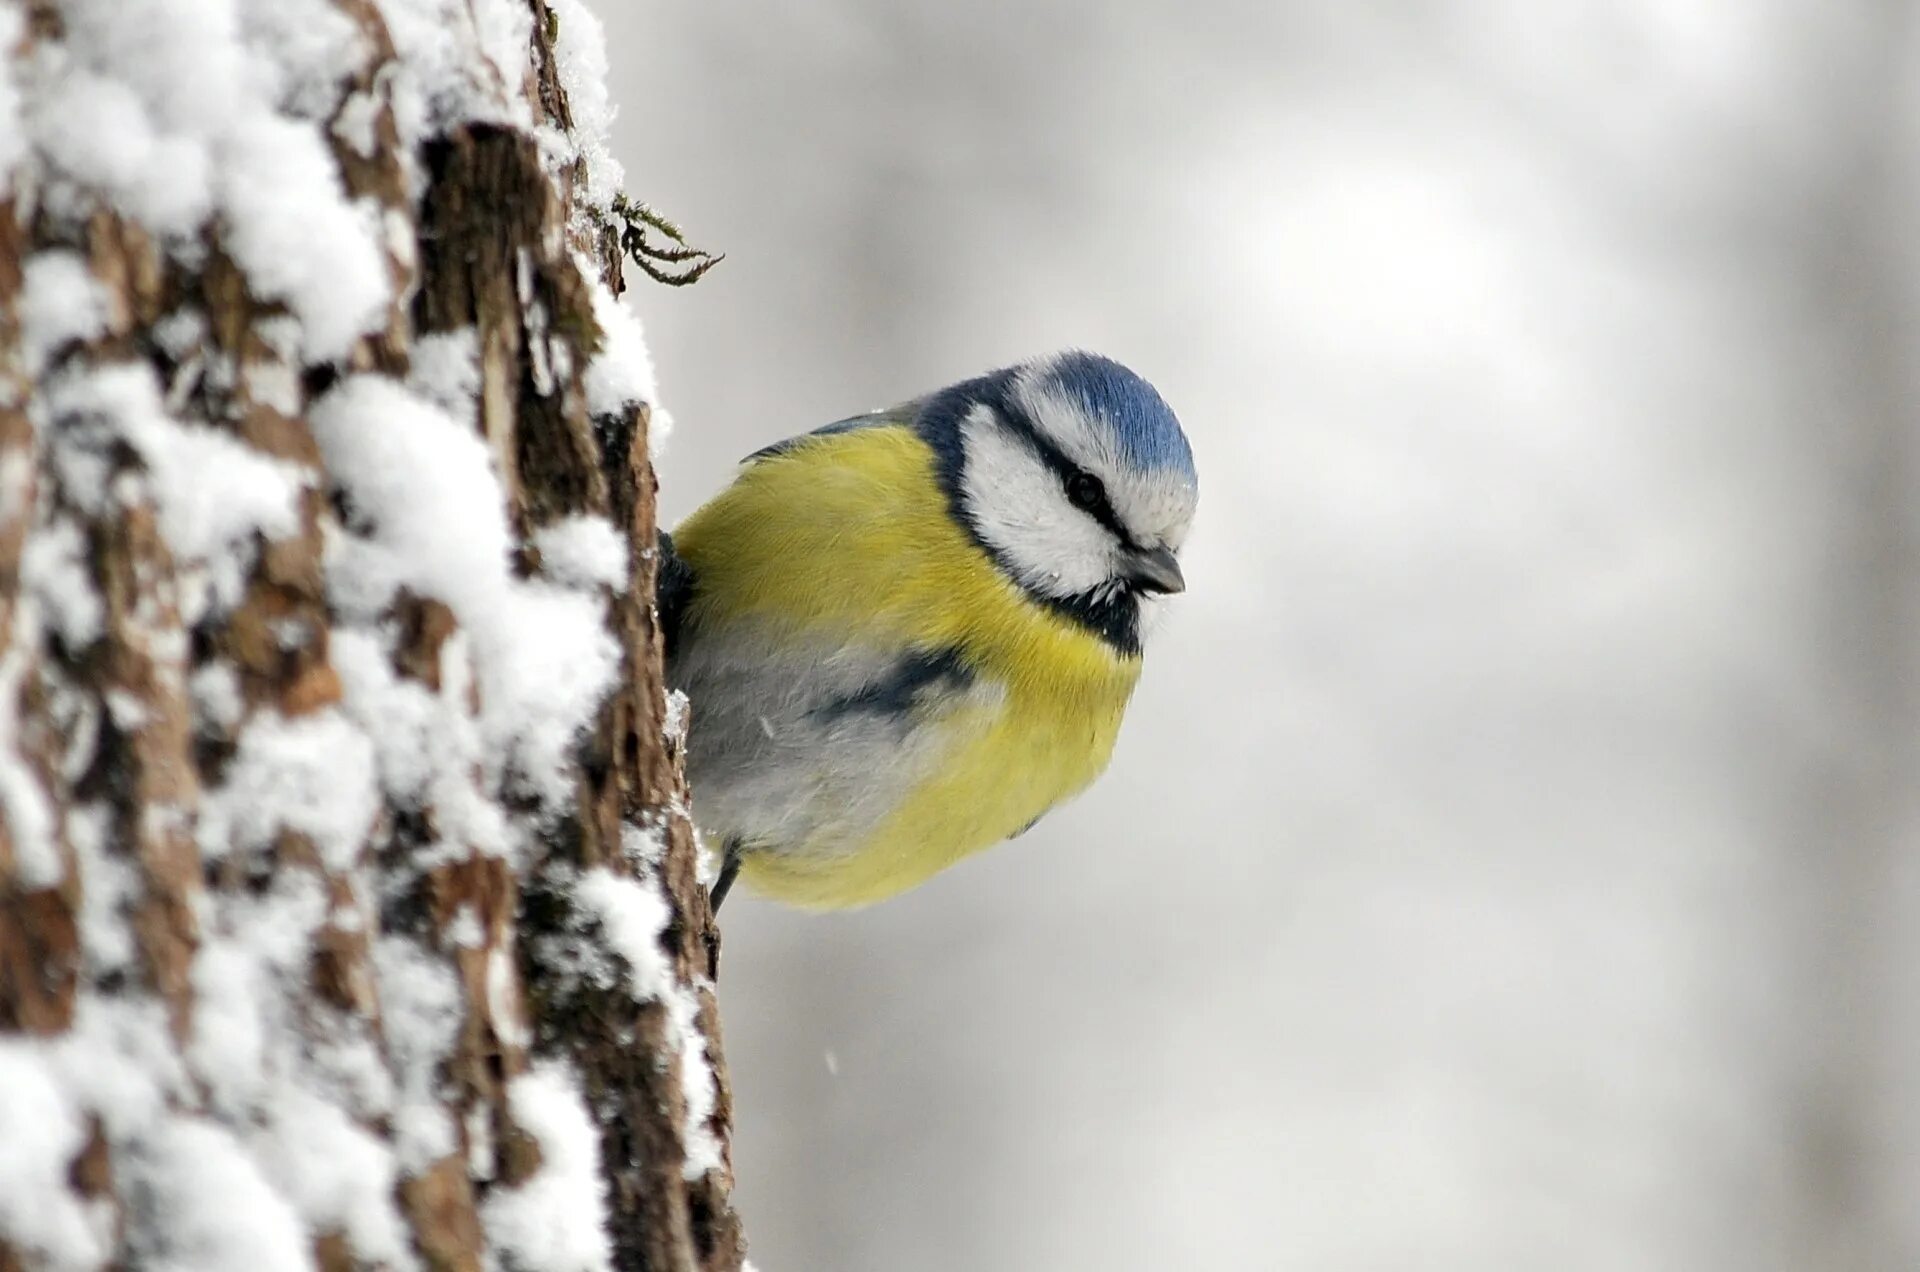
(1140, 419)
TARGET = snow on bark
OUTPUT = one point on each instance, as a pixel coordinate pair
(349, 912)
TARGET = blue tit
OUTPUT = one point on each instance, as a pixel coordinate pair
(906, 636)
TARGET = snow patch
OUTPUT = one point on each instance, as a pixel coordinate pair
(422, 1009)
(339, 1177)
(583, 551)
(556, 1221)
(620, 376)
(28, 813)
(217, 1212)
(109, 882)
(253, 958)
(439, 79)
(678, 712)
(281, 196)
(313, 774)
(446, 370)
(357, 124)
(580, 58)
(14, 145)
(177, 110)
(96, 131)
(54, 570)
(315, 48)
(630, 915)
(212, 493)
(216, 696)
(41, 1133)
(427, 514)
(427, 745)
(118, 1060)
(60, 302)
(643, 845)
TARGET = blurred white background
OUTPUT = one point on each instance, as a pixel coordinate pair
(1511, 860)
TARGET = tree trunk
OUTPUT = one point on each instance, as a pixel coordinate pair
(349, 911)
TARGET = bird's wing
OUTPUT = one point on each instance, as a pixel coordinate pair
(674, 582)
(872, 419)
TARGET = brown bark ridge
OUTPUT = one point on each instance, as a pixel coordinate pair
(350, 915)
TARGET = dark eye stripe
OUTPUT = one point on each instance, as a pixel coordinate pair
(1066, 470)
(1113, 616)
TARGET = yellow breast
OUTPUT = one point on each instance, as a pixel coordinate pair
(849, 537)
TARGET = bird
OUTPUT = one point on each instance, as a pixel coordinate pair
(905, 636)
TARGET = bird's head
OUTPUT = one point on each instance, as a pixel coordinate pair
(1073, 474)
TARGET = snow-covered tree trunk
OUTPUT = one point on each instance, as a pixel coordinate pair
(349, 912)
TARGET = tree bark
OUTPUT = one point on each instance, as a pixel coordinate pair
(211, 990)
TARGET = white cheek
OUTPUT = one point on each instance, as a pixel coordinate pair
(1019, 509)
(1154, 506)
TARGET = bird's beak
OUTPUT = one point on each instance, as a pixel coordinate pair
(1156, 571)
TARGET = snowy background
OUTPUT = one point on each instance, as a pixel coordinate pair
(1509, 861)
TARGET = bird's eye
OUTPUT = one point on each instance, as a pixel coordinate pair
(1085, 492)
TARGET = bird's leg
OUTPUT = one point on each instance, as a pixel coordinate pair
(729, 867)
